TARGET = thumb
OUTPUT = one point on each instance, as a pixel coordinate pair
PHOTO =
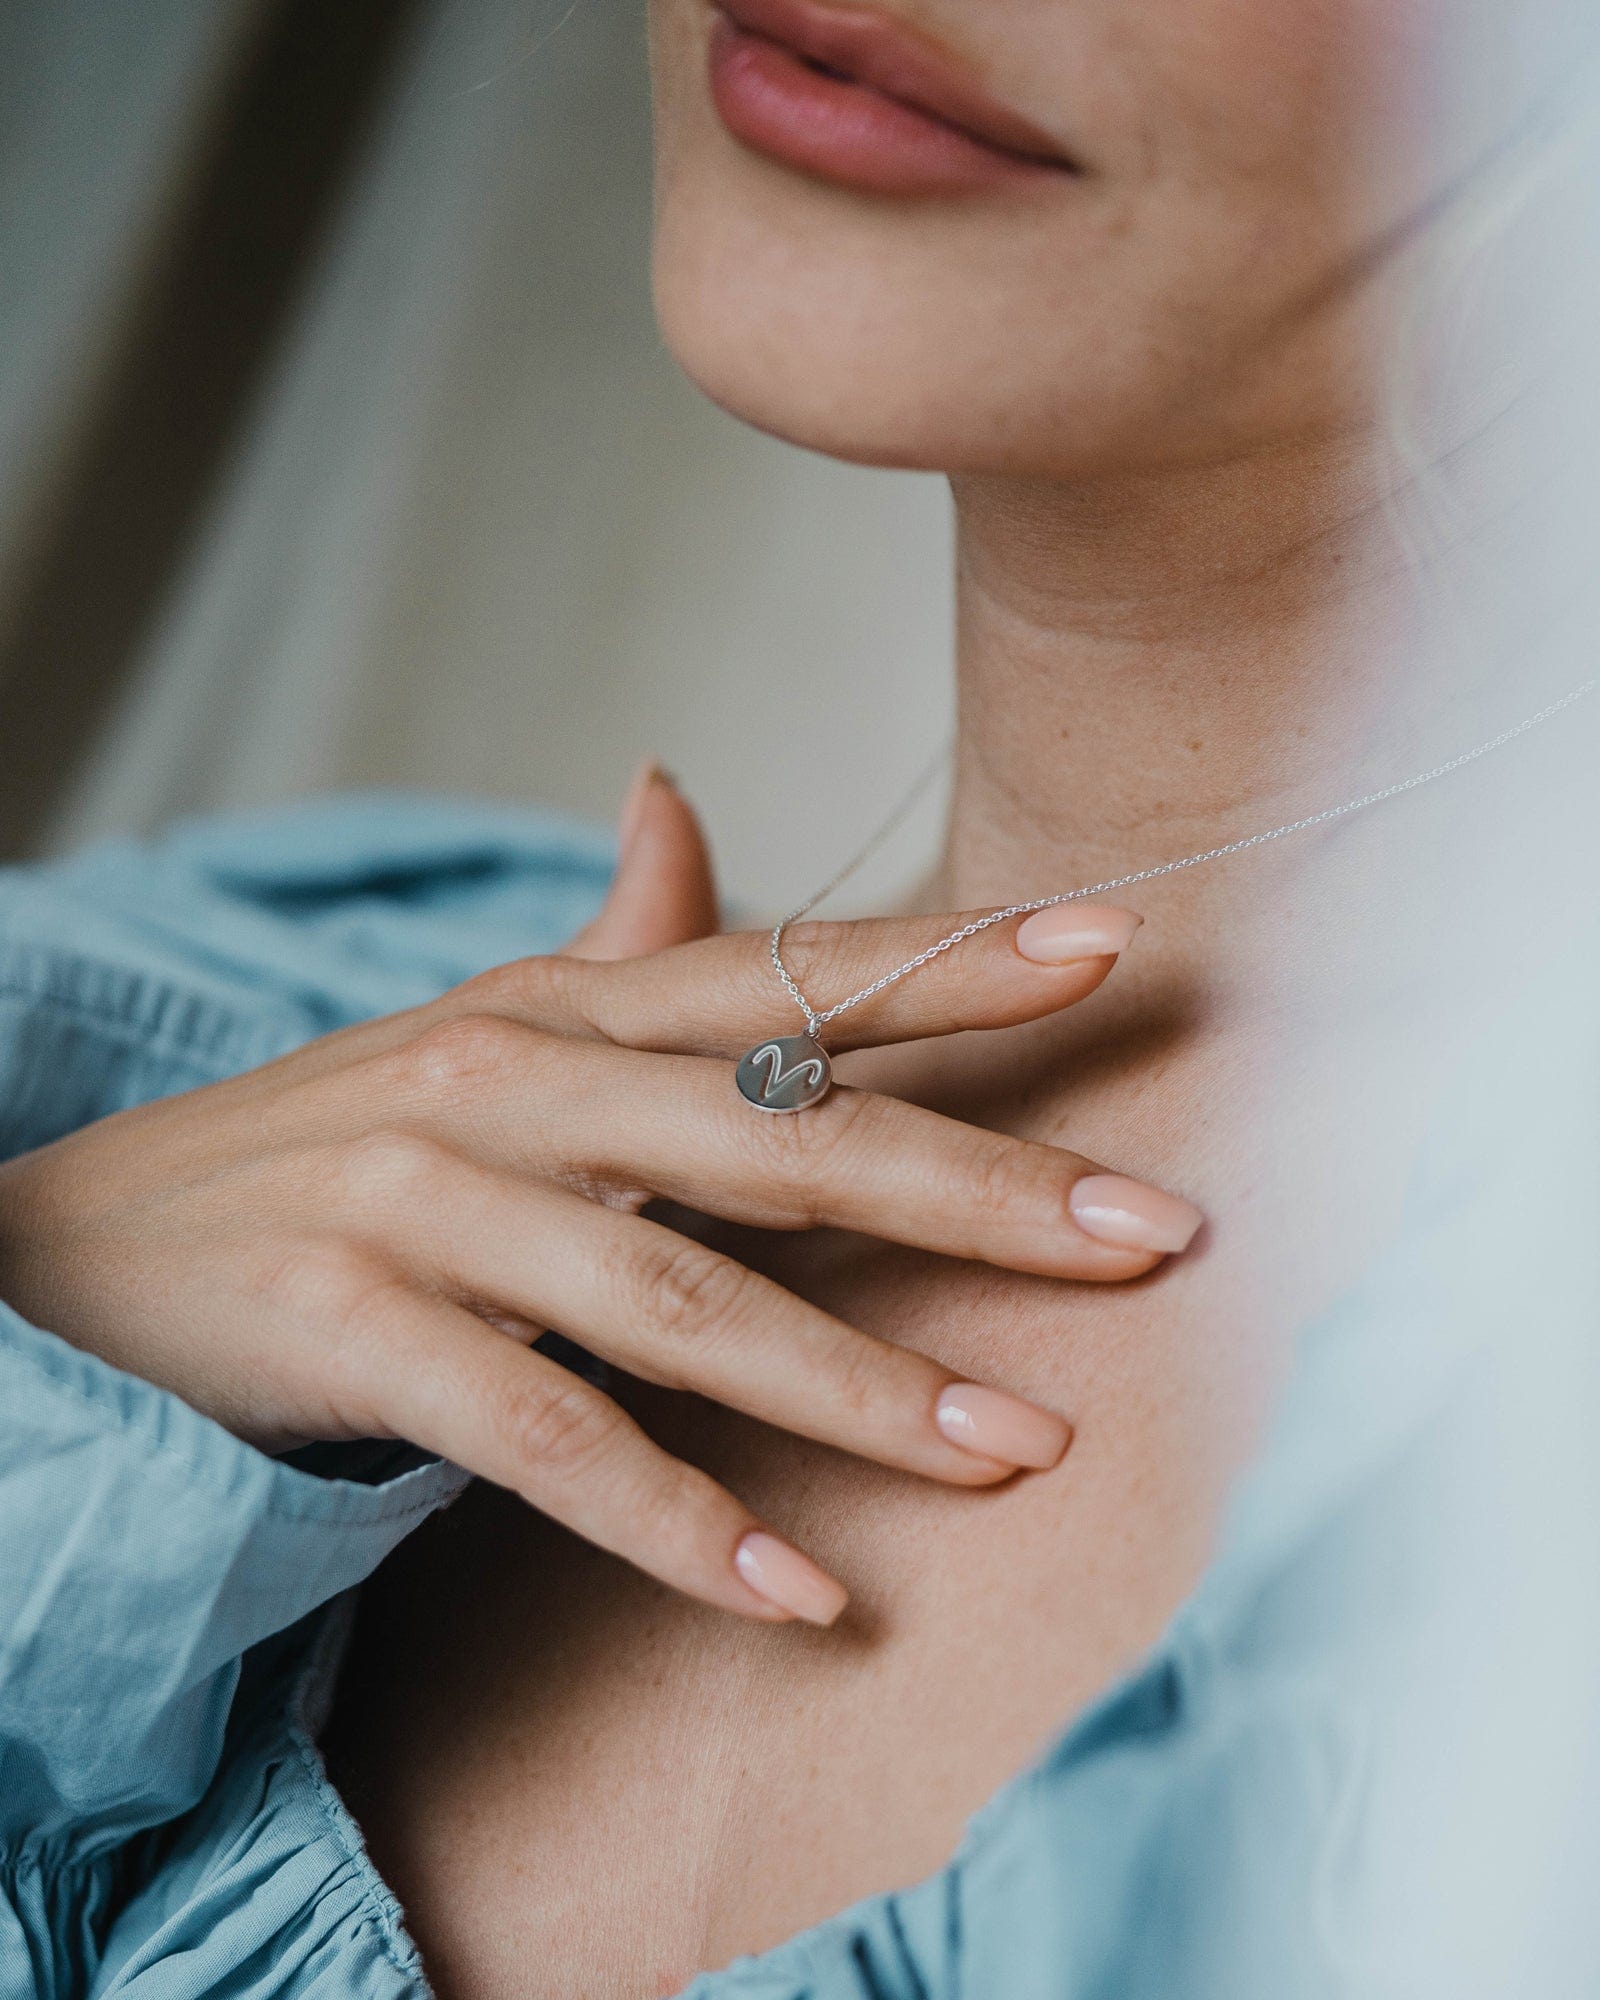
(663, 892)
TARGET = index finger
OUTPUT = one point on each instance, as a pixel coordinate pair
(717, 995)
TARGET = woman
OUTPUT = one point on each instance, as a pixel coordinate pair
(1126, 275)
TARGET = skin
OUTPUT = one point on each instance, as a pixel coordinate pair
(1152, 384)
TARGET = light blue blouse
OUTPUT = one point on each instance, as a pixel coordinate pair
(173, 1603)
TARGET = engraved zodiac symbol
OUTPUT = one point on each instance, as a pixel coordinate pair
(811, 1069)
(786, 1074)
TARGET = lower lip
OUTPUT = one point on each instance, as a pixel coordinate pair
(846, 132)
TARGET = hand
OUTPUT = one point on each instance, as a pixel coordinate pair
(364, 1238)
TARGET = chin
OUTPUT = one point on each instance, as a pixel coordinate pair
(919, 341)
(796, 338)
(789, 378)
(828, 338)
(839, 353)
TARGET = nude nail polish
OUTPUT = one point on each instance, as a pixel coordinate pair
(783, 1576)
(996, 1426)
(1073, 931)
(649, 773)
(1133, 1216)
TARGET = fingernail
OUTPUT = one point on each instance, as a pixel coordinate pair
(779, 1573)
(649, 773)
(994, 1425)
(1076, 930)
(1113, 1209)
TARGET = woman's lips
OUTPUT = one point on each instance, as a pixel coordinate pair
(854, 97)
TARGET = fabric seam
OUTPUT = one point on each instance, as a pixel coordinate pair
(373, 1910)
(378, 1910)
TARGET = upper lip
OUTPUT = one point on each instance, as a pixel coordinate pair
(887, 55)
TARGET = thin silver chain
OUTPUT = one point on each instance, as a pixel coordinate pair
(816, 1021)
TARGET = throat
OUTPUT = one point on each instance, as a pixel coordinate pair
(1162, 665)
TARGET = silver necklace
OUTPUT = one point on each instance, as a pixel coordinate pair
(792, 1072)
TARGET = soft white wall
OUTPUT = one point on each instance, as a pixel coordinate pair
(484, 537)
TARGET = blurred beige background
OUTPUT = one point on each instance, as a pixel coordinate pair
(337, 448)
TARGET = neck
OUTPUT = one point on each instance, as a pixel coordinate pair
(1154, 668)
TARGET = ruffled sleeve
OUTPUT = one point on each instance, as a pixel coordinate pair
(143, 1552)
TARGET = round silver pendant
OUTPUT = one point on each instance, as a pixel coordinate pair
(789, 1073)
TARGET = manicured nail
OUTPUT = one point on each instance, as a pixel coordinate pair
(1113, 1209)
(649, 773)
(788, 1579)
(1076, 930)
(994, 1425)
